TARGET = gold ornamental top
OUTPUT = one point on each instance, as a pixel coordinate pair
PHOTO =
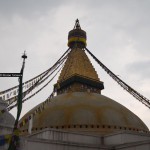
(77, 37)
(78, 73)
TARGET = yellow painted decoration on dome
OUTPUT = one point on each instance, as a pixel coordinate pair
(77, 39)
(71, 109)
(23, 122)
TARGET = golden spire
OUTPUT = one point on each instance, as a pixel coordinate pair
(78, 64)
(78, 73)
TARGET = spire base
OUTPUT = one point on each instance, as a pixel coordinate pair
(77, 83)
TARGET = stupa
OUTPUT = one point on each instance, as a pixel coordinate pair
(79, 105)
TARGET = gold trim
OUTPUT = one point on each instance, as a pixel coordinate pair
(77, 39)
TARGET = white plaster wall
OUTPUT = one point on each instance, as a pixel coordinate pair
(67, 137)
(125, 137)
(57, 145)
(135, 146)
(60, 140)
(34, 144)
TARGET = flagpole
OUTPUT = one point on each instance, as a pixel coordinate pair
(15, 135)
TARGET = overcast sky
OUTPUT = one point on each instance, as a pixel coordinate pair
(118, 33)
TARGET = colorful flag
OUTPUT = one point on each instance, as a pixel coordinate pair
(30, 124)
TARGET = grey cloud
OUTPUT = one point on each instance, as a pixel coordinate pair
(141, 69)
(28, 8)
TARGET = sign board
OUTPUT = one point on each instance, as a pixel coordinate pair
(10, 74)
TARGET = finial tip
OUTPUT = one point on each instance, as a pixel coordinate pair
(24, 56)
(77, 24)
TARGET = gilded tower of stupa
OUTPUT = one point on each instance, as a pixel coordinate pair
(79, 105)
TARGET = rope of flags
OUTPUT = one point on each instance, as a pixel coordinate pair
(10, 95)
(14, 139)
(35, 92)
(120, 82)
(11, 107)
(38, 82)
(41, 107)
(7, 138)
(37, 110)
(7, 94)
(30, 88)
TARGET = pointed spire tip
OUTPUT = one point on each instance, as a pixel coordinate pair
(24, 56)
(77, 24)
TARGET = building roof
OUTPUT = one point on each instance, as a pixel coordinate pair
(87, 112)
